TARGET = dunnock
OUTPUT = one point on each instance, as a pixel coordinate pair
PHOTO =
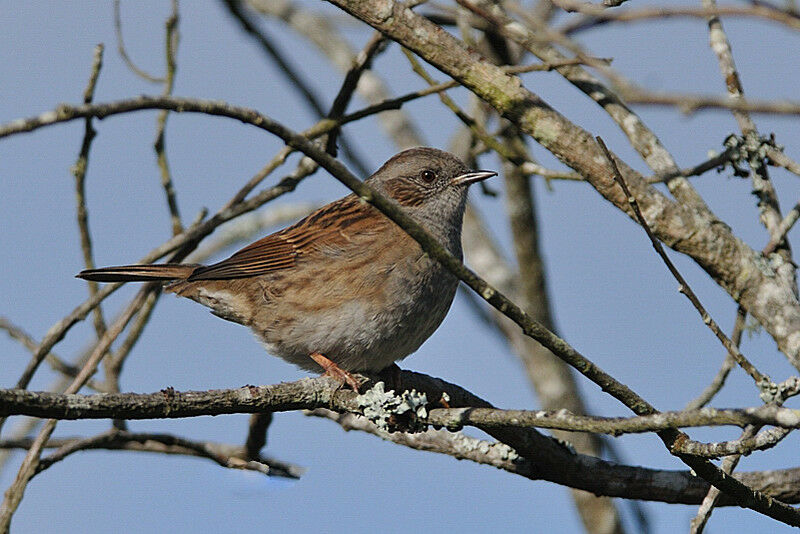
(344, 289)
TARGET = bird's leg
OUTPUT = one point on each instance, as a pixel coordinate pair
(331, 369)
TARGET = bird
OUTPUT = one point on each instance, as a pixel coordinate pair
(344, 290)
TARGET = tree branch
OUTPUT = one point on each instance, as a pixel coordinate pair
(725, 257)
(225, 455)
(309, 394)
(524, 457)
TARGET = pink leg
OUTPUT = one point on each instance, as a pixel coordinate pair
(331, 369)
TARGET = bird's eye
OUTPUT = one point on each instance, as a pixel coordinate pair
(428, 176)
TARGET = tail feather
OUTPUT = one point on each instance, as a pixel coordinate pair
(139, 273)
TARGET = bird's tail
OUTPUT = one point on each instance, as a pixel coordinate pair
(139, 273)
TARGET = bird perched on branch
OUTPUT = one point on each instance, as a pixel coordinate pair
(345, 289)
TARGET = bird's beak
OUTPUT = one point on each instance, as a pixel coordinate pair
(472, 177)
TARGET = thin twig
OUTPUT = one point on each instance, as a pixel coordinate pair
(323, 33)
(762, 381)
(55, 362)
(276, 161)
(780, 159)
(238, 11)
(783, 228)
(397, 102)
(598, 15)
(699, 521)
(701, 168)
(171, 49)
(534, 169)
(15, 492)
(513, 153)
(768, 207)
(115, 360)
(27, 425)
(690, 104)
(727, 364)
(58, 331)
(124, 53)
(456, 418)
(538, 39)
(744, 495)
(79, 172)
(362, 62)
(257, 434)
(246, 227)
(763, 441)
(476, 128)
(224, 455)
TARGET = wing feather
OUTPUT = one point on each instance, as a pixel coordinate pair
(334, 225)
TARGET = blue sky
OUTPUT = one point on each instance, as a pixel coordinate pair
(612, 297)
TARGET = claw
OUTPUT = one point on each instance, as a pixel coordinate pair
(333, 370)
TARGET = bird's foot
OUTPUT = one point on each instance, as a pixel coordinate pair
(333, 370)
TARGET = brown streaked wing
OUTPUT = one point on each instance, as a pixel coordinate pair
(268, 254)
(335, 224)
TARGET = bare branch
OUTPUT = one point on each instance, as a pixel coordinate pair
(783, 228)
(360, 65)
(225, 455)
(585, 472)
(642, 138)
(768, 206)
(711, 163)
(247, 226)
(320, 32)
(707, 506)
(615, 426)
(761, 282)
(239, 12)
(171, 50)
(79, 171)
(558, 346)
(15, 492)
(687, 230)
(598, 15)
(499, 455)
(761, 380)
(763, 441)
(257, 433)
(690, 104)
(779, 158)
(719, 479)
(55, 362)
(124, 53)
(429, 244)
(728, 363)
